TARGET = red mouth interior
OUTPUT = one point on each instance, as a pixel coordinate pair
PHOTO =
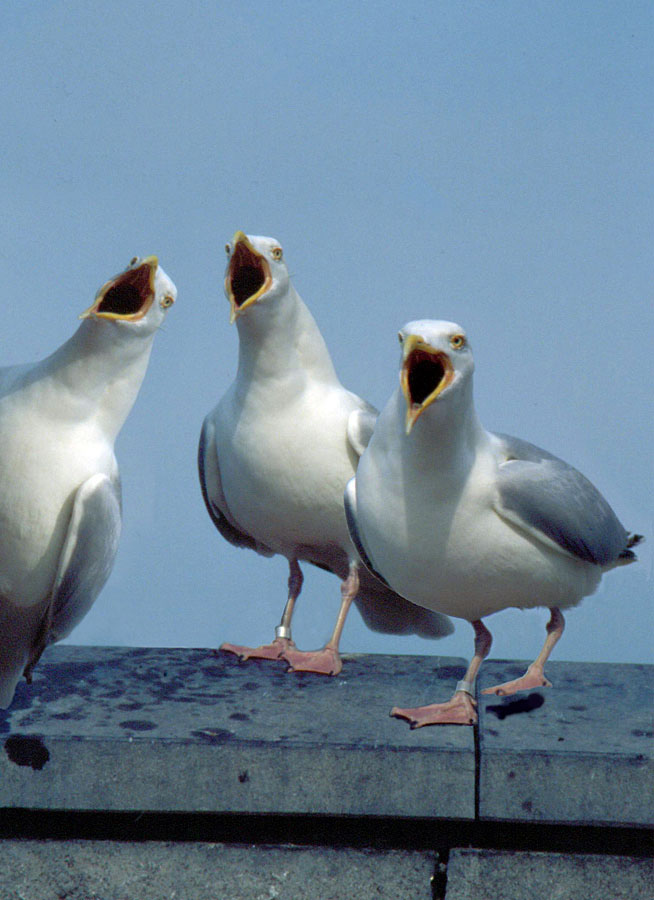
(246, 274)
(425, 373)
(129, 293)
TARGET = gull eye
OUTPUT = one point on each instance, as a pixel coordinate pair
(133, 260)
(166, 301)
(457, 341)
(400, 337)
(228, 249)
(276, 252)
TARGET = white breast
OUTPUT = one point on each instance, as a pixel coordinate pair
(284, 461)
(42, 463)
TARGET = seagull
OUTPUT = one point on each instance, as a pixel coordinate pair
(60, 499)
(467, 522)
(277, 451)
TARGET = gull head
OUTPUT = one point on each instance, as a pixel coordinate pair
(436, 363)
(139, 297)
(256, 271)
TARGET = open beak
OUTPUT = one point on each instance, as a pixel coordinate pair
(425, 374)
(248, 276)
(128, 296)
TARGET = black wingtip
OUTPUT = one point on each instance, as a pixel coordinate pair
(627, 554)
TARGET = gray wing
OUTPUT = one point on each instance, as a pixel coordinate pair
(88, 553)
(360, 425)
(212, 493)
(545, 496)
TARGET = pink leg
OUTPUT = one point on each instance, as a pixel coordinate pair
(460, 710)
(327, 661)
(283, 640)
(534, 677)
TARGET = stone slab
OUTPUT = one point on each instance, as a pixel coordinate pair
(507, 875)
(579, 752)
(112, 870)
(191, 730)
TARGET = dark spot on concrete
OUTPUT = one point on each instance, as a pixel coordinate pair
(240, 717)
(75, 716)
(75, 670)
(527, 805)
(27, 750)
(578, 708)
(31, 718)
(492, 731)
(638, 732)
(214, 672)
(243, 777)
(516, 707)
(251, 686)
(511, 775)
(213, 735)
(131, 706)
(137, 725)
(560, 739)
(447, 673)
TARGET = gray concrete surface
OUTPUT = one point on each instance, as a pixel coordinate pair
(580, 751)
(120, 729)
(111, 870)
(152, 870)
(496, 875)
(189, 730)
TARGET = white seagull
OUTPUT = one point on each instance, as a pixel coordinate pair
(467, 522)
(60, 504)
(277, 451)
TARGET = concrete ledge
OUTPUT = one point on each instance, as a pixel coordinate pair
(79, 870)
(121, 729)
(117, 870)
(580, 752)
(189, 730)
(493, 875)
(182, 773)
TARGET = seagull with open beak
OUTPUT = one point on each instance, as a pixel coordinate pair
(277, 451)
(467, 522)
(60, 503)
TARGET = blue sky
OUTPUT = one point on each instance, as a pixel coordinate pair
(484, 163)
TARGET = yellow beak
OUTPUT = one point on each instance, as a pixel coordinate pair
(128, 296)
(424, 375)
(248, 276)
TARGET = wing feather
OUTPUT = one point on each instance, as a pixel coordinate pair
(550, 499)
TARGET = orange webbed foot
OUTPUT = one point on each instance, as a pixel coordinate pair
(275, 650)
(321, 662)
(460, 710)
(534, 677)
